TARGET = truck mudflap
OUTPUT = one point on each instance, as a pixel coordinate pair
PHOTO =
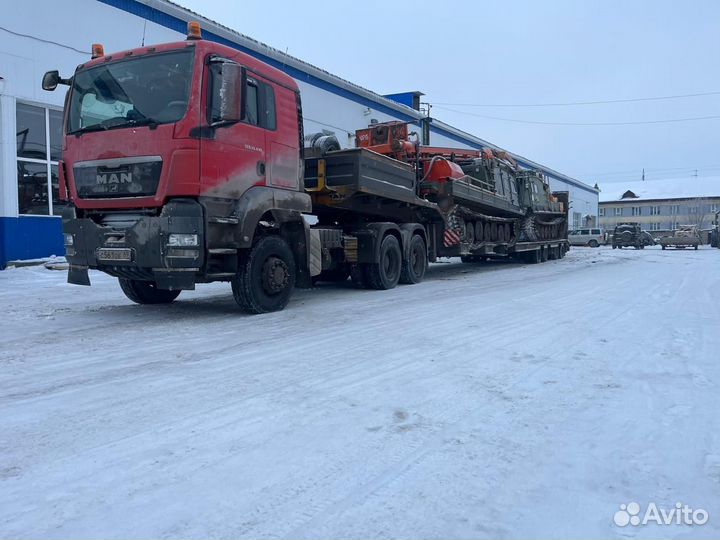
(167, 249)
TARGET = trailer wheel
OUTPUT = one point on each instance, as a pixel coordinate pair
(146, 292)
(265, 277)
(385, 273)
(414, 267)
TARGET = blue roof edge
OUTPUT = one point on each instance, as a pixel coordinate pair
(175, 17)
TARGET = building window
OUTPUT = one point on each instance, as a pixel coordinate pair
(655, 226)
(693, 209)
(636, 210)
(674, 209)
(654, 210)
(39, 148)
(618, 211)
(576, 220)
(714, 207)
(601, 212)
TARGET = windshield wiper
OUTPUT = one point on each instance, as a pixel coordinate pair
(145, 121)
(150, 122)
(86, 129)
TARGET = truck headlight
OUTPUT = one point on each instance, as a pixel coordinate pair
(69, 240)
(182, 240)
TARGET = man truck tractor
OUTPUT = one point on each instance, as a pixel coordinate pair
(184, 163)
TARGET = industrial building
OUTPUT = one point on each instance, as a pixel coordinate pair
(39, 35)
(661, 206)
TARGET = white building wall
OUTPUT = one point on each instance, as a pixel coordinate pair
(59, 36)
(60, 39)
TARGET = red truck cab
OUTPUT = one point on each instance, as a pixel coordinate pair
(174, 155)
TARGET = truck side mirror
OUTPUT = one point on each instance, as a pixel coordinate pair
(50, 80)
(227, 93)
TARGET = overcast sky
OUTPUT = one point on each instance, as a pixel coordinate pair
(525, 52)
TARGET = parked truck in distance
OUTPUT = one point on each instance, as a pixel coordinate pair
(684, 237)
(185, 163)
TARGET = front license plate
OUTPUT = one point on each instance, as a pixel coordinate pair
(114, 254)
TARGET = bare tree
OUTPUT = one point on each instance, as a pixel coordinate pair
(696, 212)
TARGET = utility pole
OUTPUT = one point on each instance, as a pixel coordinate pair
(643, 177)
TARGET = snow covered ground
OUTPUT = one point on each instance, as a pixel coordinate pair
(496, 400)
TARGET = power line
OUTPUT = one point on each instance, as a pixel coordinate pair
(574, 103)
(44, 40)
(654, 171)
(636, 176)
(644, 122)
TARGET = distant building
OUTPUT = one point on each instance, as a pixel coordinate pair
(661, 206)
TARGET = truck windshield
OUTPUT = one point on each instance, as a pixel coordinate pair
(146, 90)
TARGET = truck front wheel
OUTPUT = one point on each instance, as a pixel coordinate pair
(265, 277)
(385, 273)
(146, 292)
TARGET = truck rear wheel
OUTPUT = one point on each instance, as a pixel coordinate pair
(414, 267)
(146, 292)
(385, 273)
(265, 277)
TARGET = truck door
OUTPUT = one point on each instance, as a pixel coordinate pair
(233, 155)
(278, 115)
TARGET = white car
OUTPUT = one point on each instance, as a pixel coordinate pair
(587, 237)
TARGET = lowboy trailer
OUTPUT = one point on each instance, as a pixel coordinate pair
(184, 163)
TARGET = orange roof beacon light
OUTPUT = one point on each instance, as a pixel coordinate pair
(193, 30)
(97, 50)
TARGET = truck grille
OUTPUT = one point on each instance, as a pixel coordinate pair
(124, 177)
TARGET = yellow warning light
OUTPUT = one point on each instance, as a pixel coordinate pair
(193, 30)
(97, 50)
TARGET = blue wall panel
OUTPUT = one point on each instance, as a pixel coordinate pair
(30, 237)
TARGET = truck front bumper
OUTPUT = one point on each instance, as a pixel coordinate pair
(167, 249)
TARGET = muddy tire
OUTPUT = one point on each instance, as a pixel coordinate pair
(146, 292)
(593, 243)
(414, 267)
(385, 273)
(265, 277)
